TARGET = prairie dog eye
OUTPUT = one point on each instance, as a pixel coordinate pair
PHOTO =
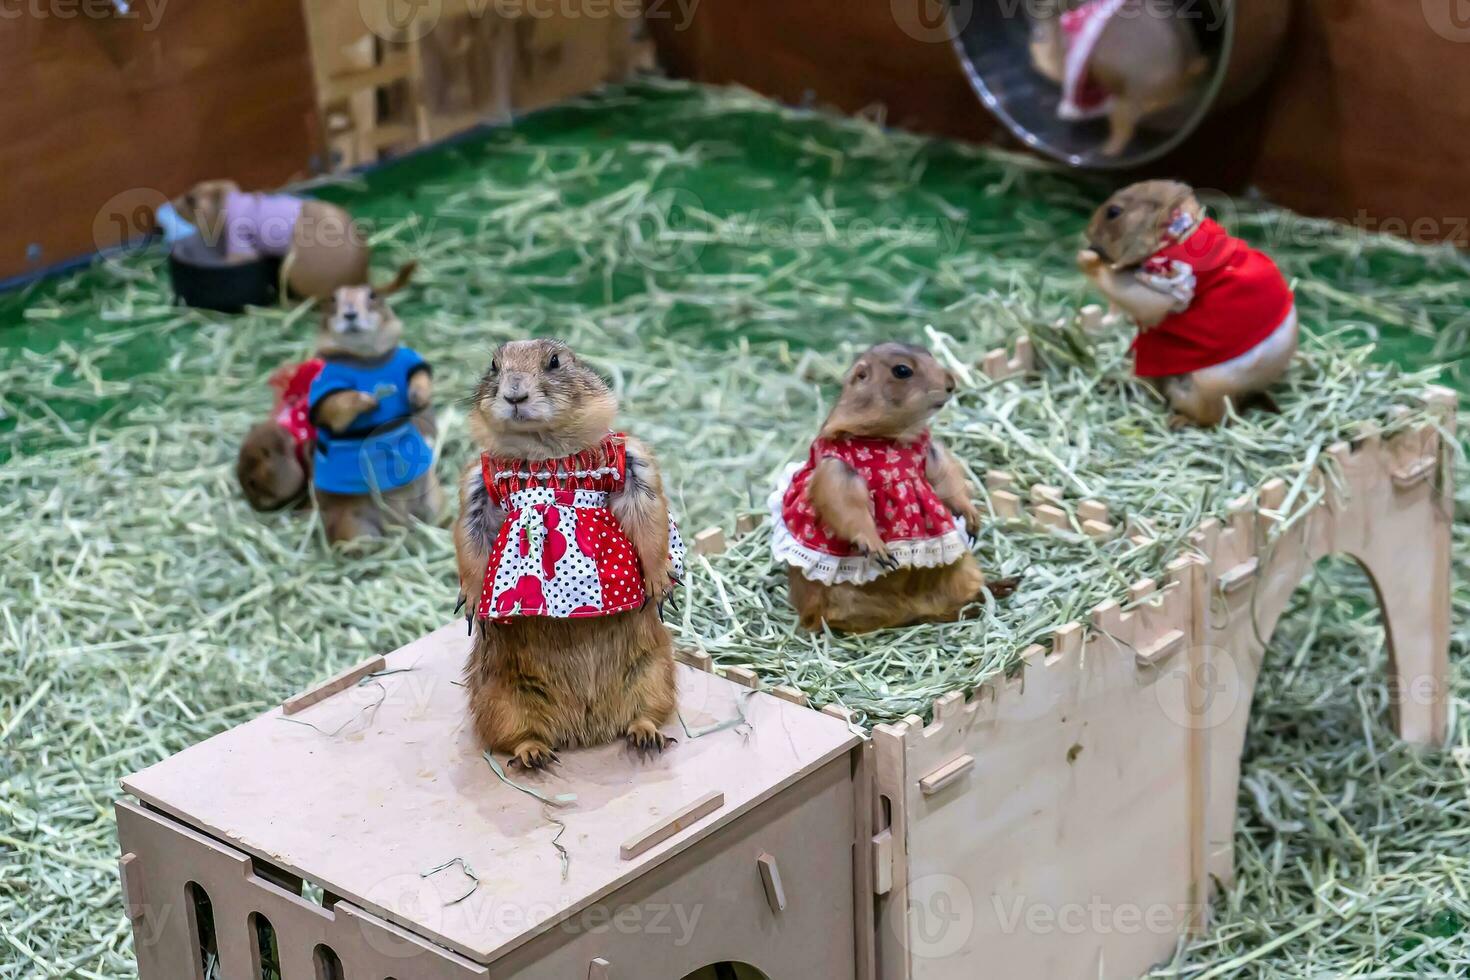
(554, 363)
(494, 367)
(902, 372)
(1113, 211)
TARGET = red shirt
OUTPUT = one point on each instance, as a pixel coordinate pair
(1237, 298)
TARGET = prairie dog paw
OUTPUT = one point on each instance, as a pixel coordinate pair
(1089, 262)
(875, 549)
(420, 390)
(644, 736)
(533, 754)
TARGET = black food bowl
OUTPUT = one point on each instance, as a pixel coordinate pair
(201, 277)
(1240, 38)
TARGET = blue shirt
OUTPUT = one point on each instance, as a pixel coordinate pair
(382, 450)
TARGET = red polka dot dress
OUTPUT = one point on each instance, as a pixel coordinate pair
(561, 553)
(915, 525)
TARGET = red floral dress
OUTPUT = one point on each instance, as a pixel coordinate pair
(561, 553)
(915, 524)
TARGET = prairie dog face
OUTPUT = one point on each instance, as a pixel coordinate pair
(357, 322)
(203, 206)
(539, 401)
(1129, 226)
(891, 391)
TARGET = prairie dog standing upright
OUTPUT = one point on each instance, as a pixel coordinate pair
(1217, 321)
(867, 527)
(565, 551)
(322, 246)
(372, 405)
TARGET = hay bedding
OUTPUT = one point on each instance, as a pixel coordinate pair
(720, 260)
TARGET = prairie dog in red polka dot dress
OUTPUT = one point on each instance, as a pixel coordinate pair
(874, 527)
(565, 551)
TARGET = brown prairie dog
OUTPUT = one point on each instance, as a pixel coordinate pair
(1217, 321)
(1119, 59)
(867, 527)
(565, 550)
(372, 406)
(321, 246)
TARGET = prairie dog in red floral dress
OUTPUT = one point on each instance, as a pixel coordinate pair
(565, 550)
(873, 526)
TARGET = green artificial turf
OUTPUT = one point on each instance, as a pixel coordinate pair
(719, 260)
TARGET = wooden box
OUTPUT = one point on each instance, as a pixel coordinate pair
(351, 839)
(1068, 821)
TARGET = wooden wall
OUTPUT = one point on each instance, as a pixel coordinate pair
(104, 115)
(1366, 117)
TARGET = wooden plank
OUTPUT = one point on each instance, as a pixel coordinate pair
(771, 882)
(341, 682)
(682, 820)
(1161, 649)
(1234, 578)
(946, 775)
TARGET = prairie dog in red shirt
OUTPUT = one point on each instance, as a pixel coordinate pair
(1134, 242)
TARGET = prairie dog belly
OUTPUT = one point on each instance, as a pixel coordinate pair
(1258, 367)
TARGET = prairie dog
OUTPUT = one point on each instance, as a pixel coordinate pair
(565, 550)
(1116, 58)
(322, 246)
(274, 462)
(867, 526)
(1217, 321)
(372, 406)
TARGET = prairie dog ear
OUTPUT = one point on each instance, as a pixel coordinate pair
(860, 371)
(400, 280)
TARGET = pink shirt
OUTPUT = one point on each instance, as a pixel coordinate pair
(260, 224)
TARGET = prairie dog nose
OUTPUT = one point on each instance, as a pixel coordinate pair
(515, 398)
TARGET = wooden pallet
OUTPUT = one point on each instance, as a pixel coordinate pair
(391, 76)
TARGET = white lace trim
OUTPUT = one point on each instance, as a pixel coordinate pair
(818, 566)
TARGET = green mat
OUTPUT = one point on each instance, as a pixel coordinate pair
(719, 260)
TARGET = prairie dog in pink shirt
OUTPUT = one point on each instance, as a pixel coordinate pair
(323, 247)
